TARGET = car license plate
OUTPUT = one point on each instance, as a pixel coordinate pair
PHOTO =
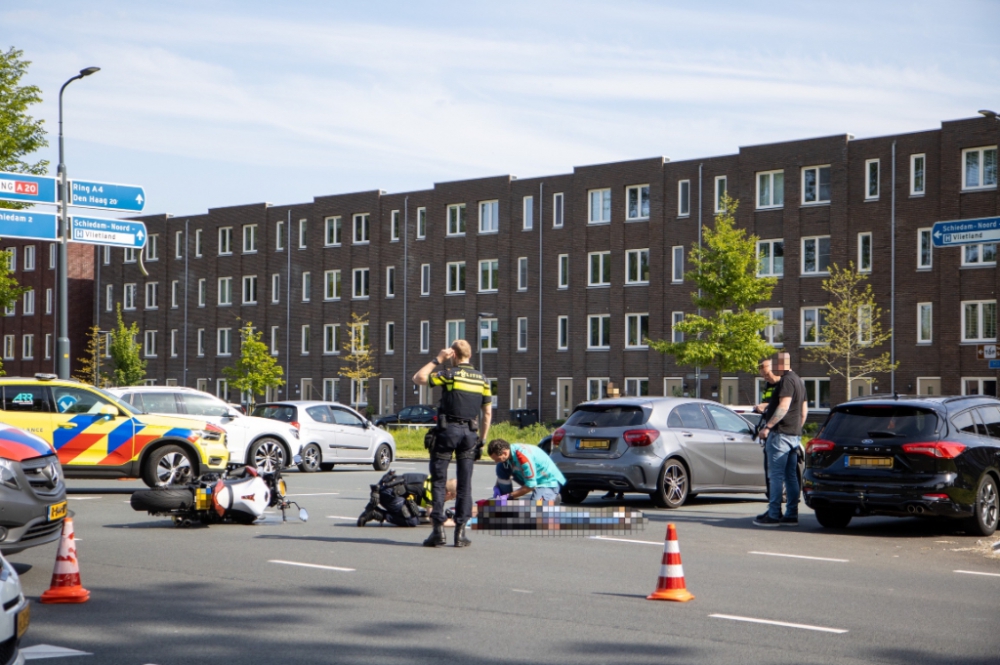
(23, 619)
(868, 462)
(57, 511)
(595, 444)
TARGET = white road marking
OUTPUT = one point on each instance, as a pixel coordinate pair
(799, 556)
(317, 494)
(83, 498)
(779, 623)
(40, 651)
(341, 517)
(975, 572)
(311, 565)
(626, 540)
(521, 591)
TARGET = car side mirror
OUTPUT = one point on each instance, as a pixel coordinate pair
(230, 415)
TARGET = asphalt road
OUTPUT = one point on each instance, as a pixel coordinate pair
(165, 596)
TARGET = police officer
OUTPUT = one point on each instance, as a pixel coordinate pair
(400, 499)
(463, 419)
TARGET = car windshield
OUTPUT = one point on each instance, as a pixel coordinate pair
(596, 415)
(117, 401)
(880, 422)
(280, 412)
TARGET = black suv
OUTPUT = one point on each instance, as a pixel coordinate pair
(930, 456)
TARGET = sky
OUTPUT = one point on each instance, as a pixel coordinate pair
(209, 104)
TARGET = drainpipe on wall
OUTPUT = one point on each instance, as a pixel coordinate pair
(187, 251)
(288, 307)
(892, 278)
(406, 281)
(541, 228)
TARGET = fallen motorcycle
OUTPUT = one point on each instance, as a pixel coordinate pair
(238, 495)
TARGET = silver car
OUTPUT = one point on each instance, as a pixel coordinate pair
(669, 447)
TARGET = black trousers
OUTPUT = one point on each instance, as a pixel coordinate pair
(458, 440)
(393, 504)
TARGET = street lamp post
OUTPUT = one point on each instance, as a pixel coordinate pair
(62, 341)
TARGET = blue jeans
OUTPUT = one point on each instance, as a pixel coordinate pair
(506, 485)
(783, 472)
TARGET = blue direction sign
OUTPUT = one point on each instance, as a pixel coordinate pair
(28, 188)
(106, 196)
(116, 232)
(29, 225)
(966, 232)
(995, 364)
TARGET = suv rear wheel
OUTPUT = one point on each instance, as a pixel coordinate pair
(267, 454)
(831, 517)
(987, 508)
(169, 465)
(673, 485)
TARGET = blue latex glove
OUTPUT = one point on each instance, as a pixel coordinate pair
(497, 491)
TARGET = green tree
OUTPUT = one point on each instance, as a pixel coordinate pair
(90, 362)
(126, 353)
(20, 134)
(358, 357)
(851, 328)
(727, 334)
(256, 370)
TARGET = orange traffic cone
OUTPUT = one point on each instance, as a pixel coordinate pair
(65, 587)
(670, 584)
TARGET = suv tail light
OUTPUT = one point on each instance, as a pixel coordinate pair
(641, 437)
(295, 424)
(558, 436)
(819, 446)
(943, 449)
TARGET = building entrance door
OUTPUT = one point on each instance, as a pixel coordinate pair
(564, 398)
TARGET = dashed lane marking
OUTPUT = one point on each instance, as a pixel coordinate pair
(39, 651)
(84, 498)
(521, 591)
(976, 572)
(799, 556)
(626, 540)
(316, 494)
(312, 565)
(341, 517)
(784, 624)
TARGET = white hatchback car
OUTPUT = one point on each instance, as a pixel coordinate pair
(15, 616)
(332, 433)
(259, 442)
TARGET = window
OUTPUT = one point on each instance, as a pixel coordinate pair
(276, 288)
(924, 247)
(305, 339)
(557, 210)
(720, 192)
(770, 258)
(774, 334)
(637, 202)
(149, 344)
(222, 389)
(488, 334)
(28, 347)
(600, 206)
(274, 340)
(52, 255)
(279, 237)
(331, 338)
(871, 179)
(225, 290)
(813, 325)
(152, 247)
(597, 388)
(178, 244)
(563, 271)
(29, 302)
(129, 299)
(522, 273)
(456, 330)
(331, 285)
(979, 320)
(359, 393)
(152, 289)
(522, 333)
(199, 243)
(636, 387)
(684, 198)
(48, 347)
(425, 336)
(599, 332)
(390, 337)
(676, 335)
(333, 228)
(864, 252)
(817, 393)
(331, 389)
(225, 241)
(9, 342)
(456, 219)
(200, 337)
(456, 277)
(421, 223)
(12, 310)
(249, 238)
(985, 386)
(600, 269)
(175, 293)
(528, 216)
(980, 167)
(303, 233)
(864, 324)
(29, 258)
(306, 286)
(637, 266)
(390, 282)
(562, 339)
(202, 292)
(489, 273)
(425, 279)
(362, 229)
(250, 290)
(979, 255)
(925, 322)
(637, 331)
(770, 189)
(816, 255)
(173, 343)
(815, 185)
(224, 340)
(918, 175)
(129, 255)
(361, 283)
(359, 338)
(677, 269)
(394, 226)
(489, 216)
(48, 301)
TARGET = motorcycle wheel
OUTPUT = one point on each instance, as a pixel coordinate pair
(162, 500)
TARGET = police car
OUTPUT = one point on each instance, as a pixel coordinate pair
(96, 435)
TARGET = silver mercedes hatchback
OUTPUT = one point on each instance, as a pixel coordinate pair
(671, 448)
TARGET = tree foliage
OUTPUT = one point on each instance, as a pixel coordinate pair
(126, 353)
(357, 351)
(20, 134)
(256, 370)
(727, 334)
(851, 328)
(90, 362)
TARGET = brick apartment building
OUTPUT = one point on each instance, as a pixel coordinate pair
(569, 272)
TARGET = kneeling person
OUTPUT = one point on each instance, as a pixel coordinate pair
(402, 499)
(539, 477)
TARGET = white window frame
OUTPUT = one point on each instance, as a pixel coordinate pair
(394, 226)
(128, 297)
(721, 189)
(48, 301)
(492, 342)
(817, 240)
(819, 325)
(683, 198)
(29, 303)
(149, 344)
(331, 339)
(603, 328)
(224, 342)
(331, 390)
(980, 252)
(456, 222)
(981, 169)
(677, 264)
(28, 347)
(979, 381)
(129, 255)
(250, 289)
(604, 265)
(562, 333)
(178, 244)
(864, 331)
(597, 387)
(175, 294)
(922, 235)
(303, 233)
(279, 237)
(306, 286)
(9, 347)
(421, 229)
(225, 241)
(333, 230)
(275, 339)
(862, 237)
(929, 337)
(249, 238)
(29, 258)
(980, 320)
(637, 383)
(225, 288)
(631, 321)
(872, 193)
(676, 336)
(563, 271)
(305, 339)
(200, 342)
(425, 279)
(636, 255)
(390, 338)
(492, 275)
(522, 333)
(359, 393)
(489, 216)
(770, 270)
(528, 213)
(48, 347)
(105, 256)
(771, 334)
(152, 300)
(199, 243)
(454, 329)
(362, 229)
(360, 289)
(109, 298)
(455, 278)
(276, 287)
(599, 206)
(772, 196)
(819, 189)
(173, 342)
(425, 336)
(202, 292)
(390, 281)
(915, 189)
(152, 248)
(558, 210)
(816, 381)
(641, 193)
(522, 273)
(333, 285)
